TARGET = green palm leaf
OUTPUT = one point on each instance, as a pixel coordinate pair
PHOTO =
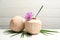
(24, 33)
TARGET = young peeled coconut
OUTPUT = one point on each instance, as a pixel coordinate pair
(33, 26)
(17, 23)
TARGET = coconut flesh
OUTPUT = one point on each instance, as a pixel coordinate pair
(17, 23)
(33, 26)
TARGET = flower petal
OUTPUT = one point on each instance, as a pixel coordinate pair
(28, 16)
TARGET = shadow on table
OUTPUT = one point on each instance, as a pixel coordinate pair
(16, 33)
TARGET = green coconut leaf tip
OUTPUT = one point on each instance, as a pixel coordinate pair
(47, 32)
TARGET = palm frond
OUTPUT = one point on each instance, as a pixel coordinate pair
(24, 33)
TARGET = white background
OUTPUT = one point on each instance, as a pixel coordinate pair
(50, 14)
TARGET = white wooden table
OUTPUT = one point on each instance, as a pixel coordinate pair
(55, 36)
